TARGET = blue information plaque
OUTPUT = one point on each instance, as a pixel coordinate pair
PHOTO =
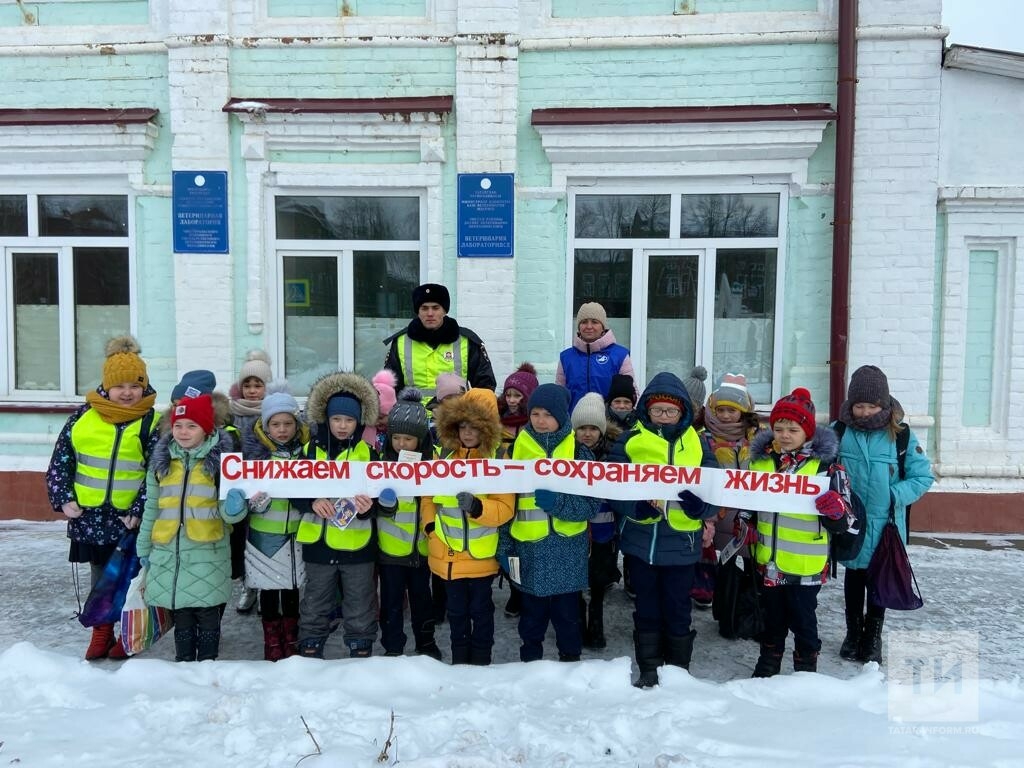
(486, 214)
(200, 210)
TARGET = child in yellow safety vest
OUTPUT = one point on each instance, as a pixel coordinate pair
(791, 551)
(97, 474)
(184, 534)
(273, 562)
(402, 564)
(462, 528)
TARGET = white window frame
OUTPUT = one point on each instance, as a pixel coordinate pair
(706, 247)
(63, 247)
(341, 250)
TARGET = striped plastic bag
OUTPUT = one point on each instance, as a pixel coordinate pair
(141, 624)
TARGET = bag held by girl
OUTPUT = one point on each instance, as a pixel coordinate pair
(103, 605)
(891, 580)
(141, 624)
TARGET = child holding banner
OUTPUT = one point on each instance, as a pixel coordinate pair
(791, 551)
(273, 563)
(462, 529)
(336, 545)
(661, 539)
(184, 534)
(548, 536)
(589, 424)
(403, 566)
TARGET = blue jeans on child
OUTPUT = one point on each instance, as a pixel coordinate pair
(563, 611)
(471, 619)
(662, 596)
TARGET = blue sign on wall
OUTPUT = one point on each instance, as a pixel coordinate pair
(486, 214)
(200, 210)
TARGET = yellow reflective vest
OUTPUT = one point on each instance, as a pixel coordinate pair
(280, 517)
(421, 364)
(458, 531)
(109, 463)
(532, 523)
(188, 497)
(647, 447)
(398, 536)
(797, 544)
(357, 534)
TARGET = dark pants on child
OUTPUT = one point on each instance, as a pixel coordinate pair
(358, 602)
(279, 603)
(791, 608)
(197, 633)
(855, 588)
(562, 611)
(471, 619)
(395, 582)
(662, 596)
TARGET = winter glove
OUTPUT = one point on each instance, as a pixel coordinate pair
(429, 528)
(470, 504)
(644, 510)
(692, 504)
(259, 502)
(830, 504)
(545, 499)
(235, 503)
(387, 501)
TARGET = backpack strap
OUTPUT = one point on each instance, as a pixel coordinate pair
(902, 443)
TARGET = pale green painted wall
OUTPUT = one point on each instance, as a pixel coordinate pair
(595, 8)
(346, 8)
(64, 14)
(979, 338)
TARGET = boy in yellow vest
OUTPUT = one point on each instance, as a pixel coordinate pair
(791, 550)
(402, 565)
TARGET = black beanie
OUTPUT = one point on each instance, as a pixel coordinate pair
(621, 386)
(869, 385)
(554, 398)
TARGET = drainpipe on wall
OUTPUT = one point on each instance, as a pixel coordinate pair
(842, 211)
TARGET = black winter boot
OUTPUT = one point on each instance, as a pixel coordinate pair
(593, 635)
(185, 643)
(207, 644)
(854, 631)
(429, 649)
(679, 649)
(312, 647)
(649, 657)
(769, 663)
(805, 662)
(870, 648)
(480, 657)
(460, 654)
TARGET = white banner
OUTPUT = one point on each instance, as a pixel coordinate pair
(731, 488)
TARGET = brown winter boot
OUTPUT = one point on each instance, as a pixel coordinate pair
(101, 642)
(290, 635)
(273, 640)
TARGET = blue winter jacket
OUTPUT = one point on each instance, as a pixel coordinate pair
(870, 461)
(590, 367)
(659, 544)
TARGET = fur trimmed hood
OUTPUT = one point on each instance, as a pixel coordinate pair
(479, 407)
(824, 446)
(342, 381)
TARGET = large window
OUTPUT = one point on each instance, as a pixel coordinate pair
(348, 266)
(685, 278)
(66, 277)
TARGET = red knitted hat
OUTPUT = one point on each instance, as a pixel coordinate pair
(798, 407)
(198, 409)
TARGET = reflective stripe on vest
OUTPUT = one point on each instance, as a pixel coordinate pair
(280, 517)
(421, 363)
(458, 531)
(647, 447)
(109, 464)
(356, 535)
(190, 498)
(396, 536)
(797, 543)
(532, 523)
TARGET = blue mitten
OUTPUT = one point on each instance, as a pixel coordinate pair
(692, 504)
(545, 499)
(235, 503)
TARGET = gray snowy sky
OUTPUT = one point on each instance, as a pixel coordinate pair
(985, 23)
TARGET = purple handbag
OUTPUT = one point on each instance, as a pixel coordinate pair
(103, 606)
(891, 580)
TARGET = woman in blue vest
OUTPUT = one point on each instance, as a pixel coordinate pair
(661, 539)
(97, 474)
(594, 357)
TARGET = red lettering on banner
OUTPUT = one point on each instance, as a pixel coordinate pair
(322, 470)
(758, 481)
(441, 469)
(340, 470)
(630, 473)
(304, 470)
(688, 475)
(422, 470)
(595, 472)
(648, 473)
(775, 486)
(734, 480)
(458, 468)
(613, 473)
(286, 470)
(229, 466)
(377, 470)
(542, 467)
(807, 487)
(494, 470)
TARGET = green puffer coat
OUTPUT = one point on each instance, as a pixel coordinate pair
(185, 573)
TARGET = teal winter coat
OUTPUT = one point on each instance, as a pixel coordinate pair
(870, 461)
(185, 573)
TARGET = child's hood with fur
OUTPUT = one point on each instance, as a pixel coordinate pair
(479, 408)
(342, 382)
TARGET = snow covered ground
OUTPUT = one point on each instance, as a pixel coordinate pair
(950, 694)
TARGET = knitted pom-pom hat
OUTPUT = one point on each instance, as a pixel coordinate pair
(257, 364)
(123, 364)
(798, 407)
(385, 381)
